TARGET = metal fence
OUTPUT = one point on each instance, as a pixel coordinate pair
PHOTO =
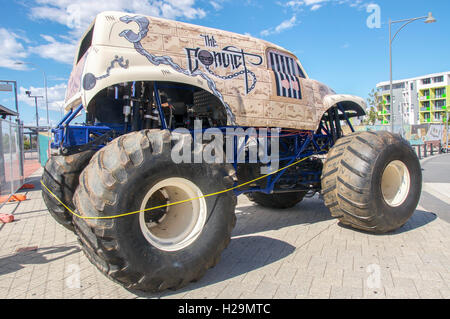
(11, 159)
(429, 148)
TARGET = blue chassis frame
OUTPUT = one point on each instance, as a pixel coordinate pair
(296, 146)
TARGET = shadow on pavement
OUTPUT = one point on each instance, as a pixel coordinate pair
(247, 252)
(36, 181)
(17, 261)
(255, 219)
(419, 219)
(236, 260)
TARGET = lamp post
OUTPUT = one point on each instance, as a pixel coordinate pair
(428, 19)
(45, 86)
(36, 104)
(37, 119)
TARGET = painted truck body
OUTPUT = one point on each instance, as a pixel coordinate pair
(259, 83)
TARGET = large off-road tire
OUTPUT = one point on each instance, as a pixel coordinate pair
(158, 249)
(372, 181)
(278, 200)
(61, 175)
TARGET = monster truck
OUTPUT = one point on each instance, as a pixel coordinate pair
(180, 120)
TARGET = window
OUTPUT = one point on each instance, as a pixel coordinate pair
(283, 63)
(426, 104)
(426, 81)
(287, 73)
(412, 86)
(438, 79)
(440, 93)
(85, 44)
(398, 86)
(437, 116)
(426, 116)
(426, 93)
(440, 103)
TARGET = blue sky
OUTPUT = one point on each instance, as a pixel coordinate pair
(330, 37)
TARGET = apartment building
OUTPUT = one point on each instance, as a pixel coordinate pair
(423, 99)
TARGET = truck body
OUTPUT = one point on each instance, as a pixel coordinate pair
(258, 84)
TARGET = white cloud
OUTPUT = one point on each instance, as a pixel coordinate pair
(314, 5)
(78, 14)
(217, 5)
(56, 96)
(12, 50)
(285, 25)
(59, 51)
(308, 3)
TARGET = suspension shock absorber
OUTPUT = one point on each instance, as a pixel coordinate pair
(126, 109)
(135, 105)
(151, 117)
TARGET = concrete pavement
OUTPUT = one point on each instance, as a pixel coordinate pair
(296, 253)
(436, 185)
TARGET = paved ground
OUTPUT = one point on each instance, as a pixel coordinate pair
(31, 163)
(298, 253)
(436, 185)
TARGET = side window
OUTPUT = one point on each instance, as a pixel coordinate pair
(287, 73)
(85, 44)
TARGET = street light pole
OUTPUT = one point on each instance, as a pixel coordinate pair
(391, 98)
(37, 114)
(36, 104)
(45, 86)
(428, 19)
(46, 99)
(37, 119)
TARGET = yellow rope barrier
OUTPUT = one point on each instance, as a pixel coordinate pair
(174, 203)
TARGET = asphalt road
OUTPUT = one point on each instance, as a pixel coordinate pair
(436, 186)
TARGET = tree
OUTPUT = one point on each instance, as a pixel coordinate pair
(371, 117)
(375, 101)
(374, 105)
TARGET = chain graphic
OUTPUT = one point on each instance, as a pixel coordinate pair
(231, 76)
(90, 80)
(136, 38)
(119, 61)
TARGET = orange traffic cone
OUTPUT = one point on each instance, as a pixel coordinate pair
(18, 198)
